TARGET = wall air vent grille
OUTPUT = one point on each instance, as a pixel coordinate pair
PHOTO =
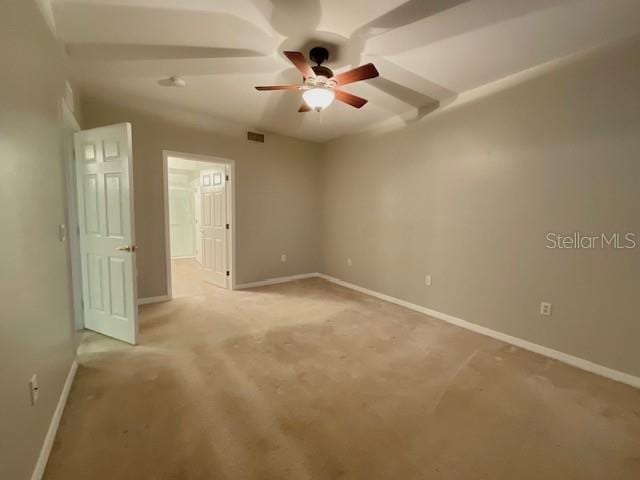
(255, 137)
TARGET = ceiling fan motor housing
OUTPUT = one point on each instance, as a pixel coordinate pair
(319, 55)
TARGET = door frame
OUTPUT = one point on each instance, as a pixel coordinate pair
(70, 124)
(197, 210)
(231, 211)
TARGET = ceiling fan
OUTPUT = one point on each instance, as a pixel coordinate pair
(320, 86)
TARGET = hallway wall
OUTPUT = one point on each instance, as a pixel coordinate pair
(36, 331)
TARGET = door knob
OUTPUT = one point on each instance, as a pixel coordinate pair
(127, 248)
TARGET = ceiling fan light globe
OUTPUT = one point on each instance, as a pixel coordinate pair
(318, 98)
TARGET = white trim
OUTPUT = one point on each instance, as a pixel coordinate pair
(231, 200)
(41, 464)
(273, 281)
(69, 127)
(518, 342)
(167, 225)
(148, 300)
(184, 257)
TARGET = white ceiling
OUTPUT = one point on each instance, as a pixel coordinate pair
(426, 51)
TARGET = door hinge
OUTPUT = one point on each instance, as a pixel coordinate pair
(227, 178)
(227, 226)
(228, 273)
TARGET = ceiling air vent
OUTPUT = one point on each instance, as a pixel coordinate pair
(255, 137)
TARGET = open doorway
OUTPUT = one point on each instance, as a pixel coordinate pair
(198, 223)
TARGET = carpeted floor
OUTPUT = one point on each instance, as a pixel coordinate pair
(187, 278)
(308, 380)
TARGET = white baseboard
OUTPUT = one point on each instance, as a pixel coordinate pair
(518, 342)
(38, 471)
(147, 300)
(273, 281)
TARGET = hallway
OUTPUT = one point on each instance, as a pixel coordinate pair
(187, 278)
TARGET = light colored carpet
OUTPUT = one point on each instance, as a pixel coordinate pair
(309, 380)
(187, 277)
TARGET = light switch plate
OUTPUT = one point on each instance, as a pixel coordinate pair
(34, 389)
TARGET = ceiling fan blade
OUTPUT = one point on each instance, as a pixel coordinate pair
(350, 99)
(279, 87)
(304, 108)
(300, 63)
(363, 72)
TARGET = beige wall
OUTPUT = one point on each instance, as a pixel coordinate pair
(35, 323)
(277, 194)
(468, 196)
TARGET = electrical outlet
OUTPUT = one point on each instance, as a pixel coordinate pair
(545, 309)
(427, 280)
(283, 257)
(349, 262)
(34, 389)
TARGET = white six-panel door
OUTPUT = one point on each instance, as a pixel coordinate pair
(197, 211)
(213, 226)
(107, 243)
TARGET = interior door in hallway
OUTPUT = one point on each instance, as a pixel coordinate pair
(214, 225)
(107, 245)
(198, 218)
